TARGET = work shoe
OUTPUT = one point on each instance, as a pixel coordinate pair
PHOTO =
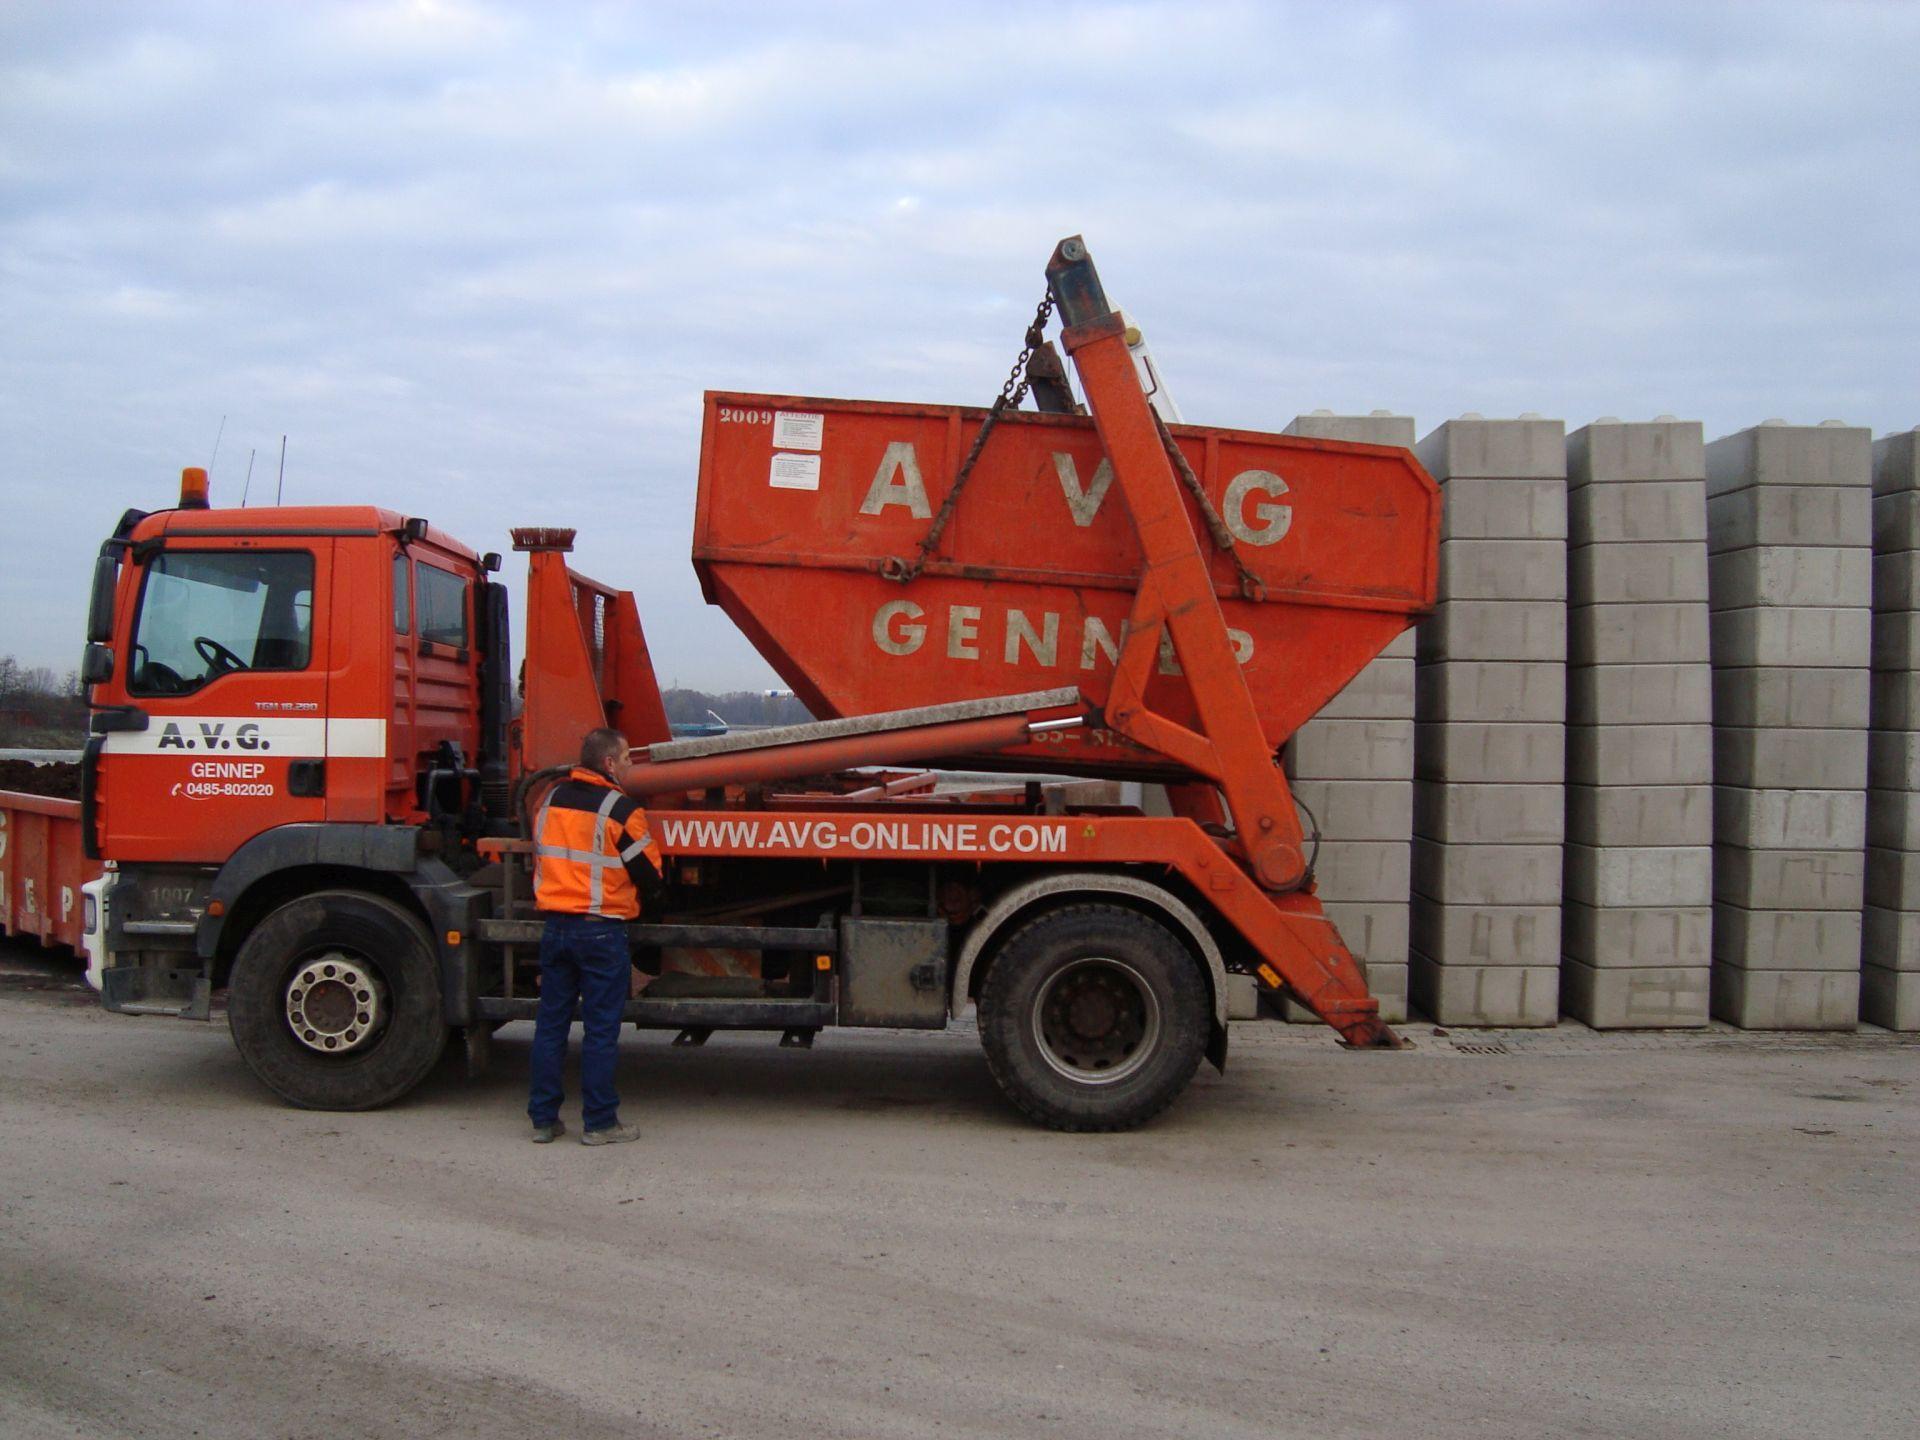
(612, 1135)
(547, 1134)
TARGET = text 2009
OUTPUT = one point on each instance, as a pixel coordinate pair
(745, 417)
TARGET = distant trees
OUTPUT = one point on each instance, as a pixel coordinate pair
(39, 706)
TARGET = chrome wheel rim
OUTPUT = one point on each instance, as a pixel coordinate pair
(335, 1004)
(1096, 1021)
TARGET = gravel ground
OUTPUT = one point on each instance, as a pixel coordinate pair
(1490, 1235)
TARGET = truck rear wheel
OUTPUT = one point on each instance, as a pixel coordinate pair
(1093, 1017)
(334, 1001)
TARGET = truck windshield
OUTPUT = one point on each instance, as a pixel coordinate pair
(204, 614)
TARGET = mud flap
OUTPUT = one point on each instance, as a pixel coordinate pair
(478, 1049)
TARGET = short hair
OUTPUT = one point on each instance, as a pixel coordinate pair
(599, 747)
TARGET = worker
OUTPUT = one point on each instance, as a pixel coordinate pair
(593, 853)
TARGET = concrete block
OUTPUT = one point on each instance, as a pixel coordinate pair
(1767, 635)
(1786, 999)
(1374, 930)
(1499, 449)
(1510, 691)
(1503, 570)
(1495, 630)
(1489, 814)
(1658, 875)
(1799, 698)
(1486, 934)
(1504, 510)
(1638, 814)
(1656, 510)
(1382, 691)
(1639, 754)
(1896, 462)
(1896, 580)
(1664, 634)
(1643, 573)
(1636, 935)
(1616, 450)
(1487, 874)
(1466, 752)
(1895, 700)
(1889, 938)
(1789, 819)
(1790, 455)
(1764, 759)
(1818, 575)
(1789, 515)
(1896, 522)
(1359, 809)
(1243, 997)
(1786, 939)
(1893, 819)
(1364, 869)
(1896, 640)
(1389, 986)
(1893, 878)
(1382, 427)
(1667, 997)
(1890, 998)
(1352, 750)
(1641, 694)
(1893, 760)
(1789, 879)
(1401, 647)
(1503, 995)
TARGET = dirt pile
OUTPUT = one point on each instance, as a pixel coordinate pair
(60, 781)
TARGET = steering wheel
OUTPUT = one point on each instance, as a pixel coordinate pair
(220, 660)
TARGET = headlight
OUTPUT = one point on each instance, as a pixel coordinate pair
(90, 914)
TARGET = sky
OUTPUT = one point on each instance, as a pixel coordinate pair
(478, 262)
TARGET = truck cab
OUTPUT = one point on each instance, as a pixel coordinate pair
(263, 680)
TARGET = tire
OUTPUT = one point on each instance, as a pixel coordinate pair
(366, 946)
(1093, 1017)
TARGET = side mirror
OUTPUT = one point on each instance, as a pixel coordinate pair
(490, 562)
(96, 665)
(106, 574)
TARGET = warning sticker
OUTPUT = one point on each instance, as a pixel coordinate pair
(793, 430)
(795, 472)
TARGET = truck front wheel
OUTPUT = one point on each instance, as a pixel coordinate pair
(334, 1001)
(1093, 1017)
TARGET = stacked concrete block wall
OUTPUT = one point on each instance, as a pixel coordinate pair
(1637, 922)
(1490, 737)
(1890, 974)
(1352, 765)
(1790, 586)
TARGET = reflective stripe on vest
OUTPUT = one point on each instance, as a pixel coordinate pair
(596, 860)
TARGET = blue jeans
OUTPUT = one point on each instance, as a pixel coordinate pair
(583, 957)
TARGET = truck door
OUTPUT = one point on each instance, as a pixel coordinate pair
(227, 657)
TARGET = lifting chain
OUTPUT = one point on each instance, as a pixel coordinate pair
(1009, 398)
(1251, 586)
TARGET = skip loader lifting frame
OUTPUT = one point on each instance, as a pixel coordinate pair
(310, 786)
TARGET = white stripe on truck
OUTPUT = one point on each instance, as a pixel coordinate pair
(303, 737)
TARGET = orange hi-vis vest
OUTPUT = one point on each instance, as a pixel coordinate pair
(591, 846)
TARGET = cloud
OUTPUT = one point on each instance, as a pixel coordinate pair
(479, 262)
